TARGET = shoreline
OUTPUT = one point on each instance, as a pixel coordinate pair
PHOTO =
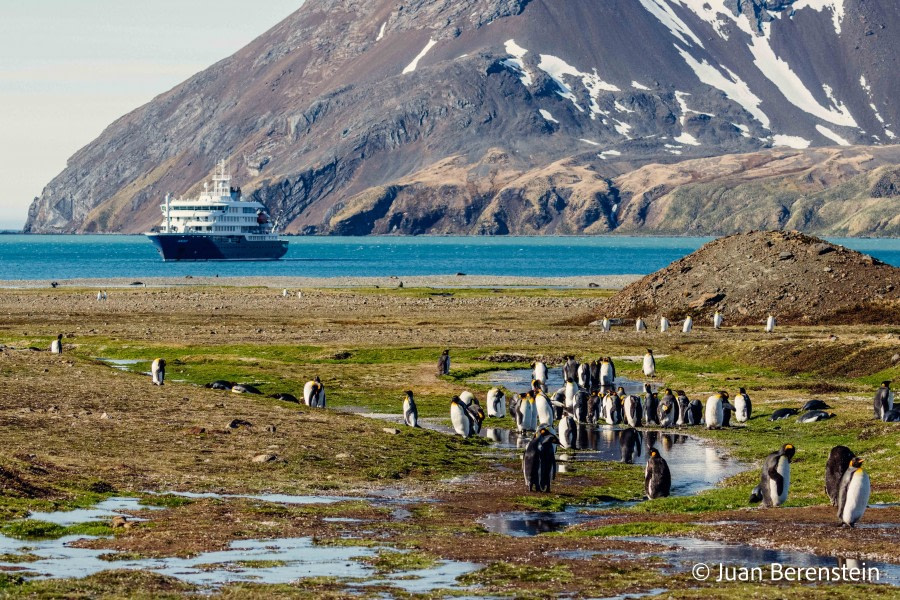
(609, 282)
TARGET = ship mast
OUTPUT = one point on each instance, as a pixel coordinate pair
(221, 180)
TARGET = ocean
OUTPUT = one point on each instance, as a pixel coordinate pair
(24, 257)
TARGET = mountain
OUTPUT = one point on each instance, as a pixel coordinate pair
(518, 116)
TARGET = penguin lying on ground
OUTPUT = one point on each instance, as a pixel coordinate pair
(884, 400)
(892, 416)
(783, 413)
(244, 388)
(838, 462)
(814, 405)
(775, 480)
(657, 479)
(220, 384)
(539, 461)
(814, 415)
(284, 397)
(410, 411)
(853, 497)
(158, 371)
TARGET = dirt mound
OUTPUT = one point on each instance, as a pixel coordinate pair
(796, 277)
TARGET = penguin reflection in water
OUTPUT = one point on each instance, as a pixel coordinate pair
(657, 478)
(539, 462)
(775, 480)
(410, 412)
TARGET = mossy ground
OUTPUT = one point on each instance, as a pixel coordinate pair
(369, 346)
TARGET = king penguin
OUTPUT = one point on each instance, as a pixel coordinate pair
(649, 364)
(664, 324)
(496, 403)
(539, 461)
(570, 391)
(444, 363)
(639, 325)
(651, 405)
(715, 411)
(668, 409)
(605, 324)
(543, 408)
(539, 372)
(460, 417)
(657, 479)
(529, 414)
(775, 480)
(854, 493)
(56, 345)
(688, 325)
(567, 431)
(313, 393)
(742, 406)
(770, 324)
(838, 462)
(158, 371)
(884, 400)
(410, 412)
(717, 320)
(633, 412)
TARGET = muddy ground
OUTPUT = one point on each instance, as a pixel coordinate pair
(76, 430)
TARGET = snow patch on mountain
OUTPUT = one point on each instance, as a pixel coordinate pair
(664, 13)
(415, 63)
(591, 142)
(547, 116)
(836, 7)
(381, 32)
(516, 63)
(639, 86)
(621, 107)
(711, 11)
(557, 69)
(832, 136)
(606, 154)
(622, 128)
(687, 139)
(790, 141)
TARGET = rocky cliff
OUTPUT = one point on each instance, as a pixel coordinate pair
(518, 116)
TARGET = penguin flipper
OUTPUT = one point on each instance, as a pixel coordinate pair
(775, 476)
(756, 495)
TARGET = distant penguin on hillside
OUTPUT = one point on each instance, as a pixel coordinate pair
(651, 405)
(605, 324)
(667, 411)
(410, 412)
(649, 364)
(884, 400)
(496, 403)
(715, 412)
(314, 393)
(539, 461)
(657, 478)
(567, 431)
(284, 293)
(639, 325)
(688, 325)
(158, 371)
(775, 480)
(56, 345)
(742, 406)
(853, 497)
(838, 462)
(444, 363)
(664, 324)
(460, 417)
(770, 324)
(717, 320)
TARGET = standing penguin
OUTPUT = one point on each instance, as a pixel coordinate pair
(664, 324)
(688, 325)
(496, 403)
(668, 409)
(570, 391)
(717, 320)
(584, 376)
(639, 325)
(607, 376)
(853, 497)
(657, 479)
(313, 393)
(444, 363)
(594, 411)
(539, 461)
(649, 364)
(595, 375)
(529, 413)
(158, 371)
(633, 412)
(742, 406)
(567, 431)
(543, 408)
(775, 480)
(605, 324)
(651, 405)
(770, 324)
(607, 410)
(468, 398)
(884, 400)
(727, 410)
(56, 345)
(410, 412)
(715, 411)
(683, 407)
(460, 417)
(570, 368)
(539, 372)
(838, 462)
(581, 406)
(695, 412)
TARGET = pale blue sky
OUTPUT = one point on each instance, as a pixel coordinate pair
(68, 68)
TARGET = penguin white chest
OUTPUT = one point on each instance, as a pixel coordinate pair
(783, 469)
(714, 412)
(740, 408)
(460, 420)
(544, 410)
(856, 498)
(649, 365)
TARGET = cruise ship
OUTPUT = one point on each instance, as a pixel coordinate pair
(217, 225)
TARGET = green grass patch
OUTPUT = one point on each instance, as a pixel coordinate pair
(30, 529)
(392, 561)
(639, 528)
(504, 573)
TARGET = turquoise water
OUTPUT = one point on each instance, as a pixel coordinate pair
(105, 256)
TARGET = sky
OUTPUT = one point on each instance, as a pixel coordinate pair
(69, 68)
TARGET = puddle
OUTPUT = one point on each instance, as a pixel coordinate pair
(519, 380)
(647, 594)
(689, 551)
(273, 498)
(103, 511)
(123, 364)
(296, 558)
(531, 523)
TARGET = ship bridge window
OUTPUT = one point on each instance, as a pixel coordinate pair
(249, 210)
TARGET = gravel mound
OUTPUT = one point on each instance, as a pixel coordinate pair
(796, 277)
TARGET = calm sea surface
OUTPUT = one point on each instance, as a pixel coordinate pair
(102, 256)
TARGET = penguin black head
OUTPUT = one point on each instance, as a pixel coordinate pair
(788, 450)
(668, 390)
(856, 463)
(59, 337)
(742, 390)
(455, 400)
(654, 452)
(724, 394)
(680, 393)
(408, 394)
(317, 380)
(535, 384)
(885, 384)
(162, 362)
(445, 352)
(649, 351)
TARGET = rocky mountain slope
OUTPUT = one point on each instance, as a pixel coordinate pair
(524, 116)
(797, 278)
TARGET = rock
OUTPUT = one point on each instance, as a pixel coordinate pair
(118, 521)
(707, 300)
(785, 255)
(895, 359)
(341, 456)
(104, 416)
(238, 423)
(197, 430)
(391, 430)
(822, 248)
(593, 285)
(264, 458)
